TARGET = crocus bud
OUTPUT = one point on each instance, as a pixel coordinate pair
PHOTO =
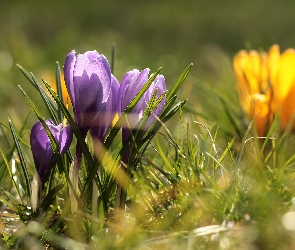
(131, 84)
(102, 123)
(41, 148)
(88, 80)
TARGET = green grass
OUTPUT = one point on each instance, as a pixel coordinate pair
(203, 181)
(193, 186)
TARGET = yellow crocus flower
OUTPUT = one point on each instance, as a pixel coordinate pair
(266, 86)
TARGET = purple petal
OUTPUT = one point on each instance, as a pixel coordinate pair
(92, 84)
(69, 74)
(91, 55)
(159, 83)
(114, 92)
(41, 148)
(131, 90)
(64, 139)
(131, 84)
(87, 93)
(98, 66)
(103, 121)
(124, 83)
(37, 137)
(140, 82)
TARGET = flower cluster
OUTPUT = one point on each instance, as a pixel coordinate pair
(96, 97)
(266, 85)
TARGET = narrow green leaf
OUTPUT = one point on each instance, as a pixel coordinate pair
(173, 111)
(21, 157)
(4, 135)
(8, 156)
(229, 146)
(29, 77)
(11, 176)
(244, 141)
(59, 91)
(11, 198)
(154, 102)
(46, 100)
(179, 82)
(151, 104)
(168, 105)
(50, 197)
(113, 58)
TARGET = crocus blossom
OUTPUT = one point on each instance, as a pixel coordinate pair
(131, 84)
(266, 86)
(88, 80)
(41, 148)
(103, 121)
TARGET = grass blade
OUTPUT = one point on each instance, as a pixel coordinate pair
(11, 176)
(179, 82)
(29, 77)
(21, 157)
(113, 58)
(59, 91)
(46, 100)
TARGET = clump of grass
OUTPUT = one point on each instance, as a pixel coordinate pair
(187, 187)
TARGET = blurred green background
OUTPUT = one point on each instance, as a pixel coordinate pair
(171, 34)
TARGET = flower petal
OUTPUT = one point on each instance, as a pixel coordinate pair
(133, 88)
(64, 139)
(286, 74)
(127, 78)
(103, 121)
(92, 85)
(69, 74)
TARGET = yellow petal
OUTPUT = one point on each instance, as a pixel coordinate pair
(286, 75)
(288, 110)
(260, 109)
(256, 72)
(240, 61)
(252, 74)
(273, 62)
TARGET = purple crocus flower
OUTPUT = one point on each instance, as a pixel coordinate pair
(88, 80)
(131, 84)
(102, 123)
(41, 148)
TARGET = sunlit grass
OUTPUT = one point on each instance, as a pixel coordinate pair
(204, 181)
